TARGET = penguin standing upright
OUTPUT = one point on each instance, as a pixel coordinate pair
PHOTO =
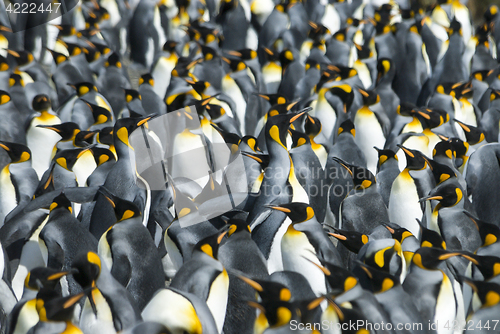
(39, 140)
(109, 306)
(278, 186)
(363, 208)
(372, 125)
(134, 263)
(304, 243)
(121, 178)
(430, 285)
(448, 217)
(387, 172)
(17, 180)
(62, 238)
(12, 128)
(241, 253)
(204, 276)
(410, 185)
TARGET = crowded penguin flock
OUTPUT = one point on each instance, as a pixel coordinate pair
(366, 200)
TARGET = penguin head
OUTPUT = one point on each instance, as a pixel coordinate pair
(44, 278)
(41, 103)
(480, 75)
(262, 159)
(299, 138)
(274, 99)
(58, 308)
(243, 54)
(74, 49)
(67, 130)
(430, 238)
(277, 127)
(473, 134)
(210, 54)
(17, 152)
(268, 290)
(489, 233)
(455, 28)
(4, 66)
(448, 195)
(345, 93)
(65, 30)
(123, 209)
(101, 115)
(430, 258)
(286, 57)
(278, 109)
(370, 97)
(61, 202)
(83, 88)
(84, 138)
(16, 80)
(431, 118)
(87, 268)
(398, 233)
(22, 57)
(363, 51)
(4, 97)
(312, 64)
(381, 281)
(113, 60)
(199, 86)
(460, 147)
(251, 142)
(491, 13)
(67, 158)
(102, 155)
(296, 211)
(340, 279)
(385, 155)
(237, 225)
(105, 136)
(146, 79)
(443, 149)
(312, 126)
(92, 53)
(59, 58)
(361, 177)
(131, 94)
(231, 139)
(125, 126)
(210, 244)
(318, 31)
(347, 126)
(352, 240)
(385, 67)
(488, 292)
(441, 172)
(214, 111)
(414, 159)
(406, 109)
(274, 314)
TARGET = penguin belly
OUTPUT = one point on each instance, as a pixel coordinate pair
(41, 141)
(404, 206)
(103, 322)
(297, 253)
(230, 88)
(368, 134)
(445, 312)
(217, 298)
(7, 194)
(275, 260)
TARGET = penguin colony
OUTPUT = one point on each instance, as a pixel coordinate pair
(369, 136)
